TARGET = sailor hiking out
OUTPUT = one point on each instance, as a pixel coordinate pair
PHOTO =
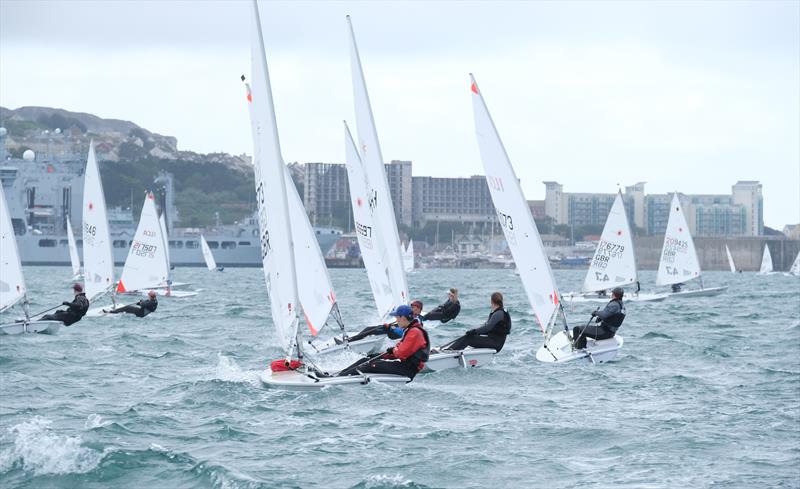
(75, 309)
(492, 334)
(141, 308)
(392, 330)
(447, 311)
(610, 319)
(407, 358)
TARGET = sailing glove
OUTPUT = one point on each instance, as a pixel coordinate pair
(390, 350)
(65, 303)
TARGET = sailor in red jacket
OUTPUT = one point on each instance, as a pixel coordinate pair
(406, 358)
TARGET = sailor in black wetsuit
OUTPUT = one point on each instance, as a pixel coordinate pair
(447, 311)
(76, 309)
(141, 308)
(393, 331)
(610, 320)
(493, 332)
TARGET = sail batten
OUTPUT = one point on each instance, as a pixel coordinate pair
(379, 197)
(614, 263)
(679, 262)
(514, 215)
(98, 260)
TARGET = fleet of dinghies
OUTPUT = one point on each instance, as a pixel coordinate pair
(298, 283)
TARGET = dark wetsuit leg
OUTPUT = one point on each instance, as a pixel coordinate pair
(370, 331)
(358, 363)
(130, 309)
(389, 367)
(65, 317)
(597, 332)
(433, 316)
(495, 342)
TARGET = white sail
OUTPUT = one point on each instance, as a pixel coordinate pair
(207, 255)
(730, 259)
(766, 261)
(379, 197)
(98, 259)
(146, 266)
(679, 261)
(515, 216)
(73, 250)
(372, 253)
(12, 281)
(273, 214)
(408, 257)
(795, 270)
(314, 283)
(614, 263)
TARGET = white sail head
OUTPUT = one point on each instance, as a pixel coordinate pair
(795, 269)
(146, 266)
(12, 281)
(514, 214)
(98, 259)
(273, 215)
(679, 261)
(379, 197)
(614, 262)
(314, 283)
(408, 256)
(211, 264)
(367, 230)
(73, 250)
(730, 259)
(766, 261)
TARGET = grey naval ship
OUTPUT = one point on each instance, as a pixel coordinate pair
(42, 190)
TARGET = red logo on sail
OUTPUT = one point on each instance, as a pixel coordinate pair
(474, 88)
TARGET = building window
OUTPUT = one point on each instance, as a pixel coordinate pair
(192, 244)
(47, 243)
(213, 245)
(228, 245)
(120, 243)
(244, 243)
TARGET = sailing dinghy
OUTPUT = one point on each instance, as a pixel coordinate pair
(98, 259)
(147, 265)
(527, 249)
(679, 262)
(12, 280)
(614, 262)
(408, 257)
(795, 269)
(730, 259)
(376, 226)
(211, 263)
(74, 260)
(170, 285)
(766, 262)
(277, 239)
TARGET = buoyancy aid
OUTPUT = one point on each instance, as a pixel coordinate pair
(420, 356)
(614, 321)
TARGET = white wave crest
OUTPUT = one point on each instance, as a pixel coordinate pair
(95, 421)
(36, 448)
(382, 481)
(229, 371)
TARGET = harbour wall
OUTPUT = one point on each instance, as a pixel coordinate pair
(746, 252)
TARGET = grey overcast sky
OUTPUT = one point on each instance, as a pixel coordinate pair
(688, 96)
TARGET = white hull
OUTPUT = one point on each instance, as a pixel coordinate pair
(559, 350)
(700, 292)
(470, 357)
(367, 346)
(43, 327)
(175, 285)
(578, 297)
(299, 381)
(177, 294)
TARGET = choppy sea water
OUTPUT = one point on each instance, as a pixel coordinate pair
(705, 393)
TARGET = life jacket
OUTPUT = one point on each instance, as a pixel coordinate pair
(503, 328)
(615, 320)
(84, 304)
(420, 356)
